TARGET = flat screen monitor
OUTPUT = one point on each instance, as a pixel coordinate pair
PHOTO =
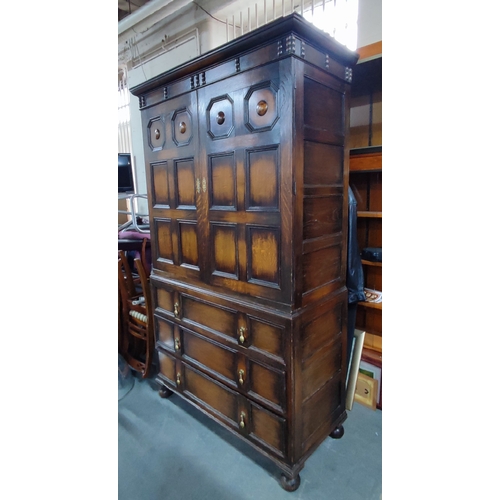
(125, 177)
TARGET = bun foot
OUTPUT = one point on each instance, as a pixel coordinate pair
(290, 484)
(338, 432)
(164, 392)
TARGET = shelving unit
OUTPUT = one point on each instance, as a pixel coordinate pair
(365, 179)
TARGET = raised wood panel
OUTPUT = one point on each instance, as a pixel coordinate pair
(182, 127)
(222, 175)
(323, 113)
(261, 107)
(156, 133)
(164, 299)
(266, 337)
(220, 117)
(322, 215)
(167, 366)
(268, 429)
(163, 229)
(262, 179)
(224, 249)
(185, 176)
(210, 316)
(159, 185)
(320, 368)
(188, 241)
(263, 249)
(165, 332)
(267, 384)
(321, 267)
(319, 411)
(211, 395)
(323, 164)
(321, 331)
(210, 355)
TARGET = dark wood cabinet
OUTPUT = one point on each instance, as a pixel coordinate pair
(247, 168)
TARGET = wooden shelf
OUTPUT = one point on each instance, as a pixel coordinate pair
(370, 263)
(372, 215)
(371, 305)
(367, 159)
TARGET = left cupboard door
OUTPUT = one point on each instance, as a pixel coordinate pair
(174, 186)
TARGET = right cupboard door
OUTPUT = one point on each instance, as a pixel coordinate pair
(244, 124)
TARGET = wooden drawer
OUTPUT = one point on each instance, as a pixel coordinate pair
(263, 336)
(245, 417)
(262, 383)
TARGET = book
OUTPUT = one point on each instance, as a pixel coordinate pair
(373, 295)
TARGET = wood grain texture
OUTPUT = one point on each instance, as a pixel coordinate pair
(248, 178)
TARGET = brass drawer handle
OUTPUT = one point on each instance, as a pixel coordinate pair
(178, 379)
(242, 420)
(176, 309)
(262, 108)
(241, 374)
(242, 334)
(177, 344)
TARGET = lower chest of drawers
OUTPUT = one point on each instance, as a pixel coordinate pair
(231, 363)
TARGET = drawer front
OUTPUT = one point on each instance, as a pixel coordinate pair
(262, 336)
(244, 417)
(221, 320)
(264, 384)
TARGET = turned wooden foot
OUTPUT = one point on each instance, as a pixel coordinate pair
(290, 484)
(338, 432)
(164, 392)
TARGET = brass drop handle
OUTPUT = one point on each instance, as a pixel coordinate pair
(221, 117)
(242, 420)
(262, 108)
(178, 379)
(177, 344)
(241, 374)
(242, 334)
(176, 309)
(157, 134)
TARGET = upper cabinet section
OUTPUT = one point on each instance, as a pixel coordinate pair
(245, 156)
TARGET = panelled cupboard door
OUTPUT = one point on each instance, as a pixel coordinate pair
(171, 131)
(242, 122)
(220, 177)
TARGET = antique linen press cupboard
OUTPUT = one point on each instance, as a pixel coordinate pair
(247, 166)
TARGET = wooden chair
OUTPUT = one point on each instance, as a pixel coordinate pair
(136, 339)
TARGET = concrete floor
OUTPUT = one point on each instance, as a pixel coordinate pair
(169, 450)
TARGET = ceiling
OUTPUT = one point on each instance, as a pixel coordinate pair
(126, 7)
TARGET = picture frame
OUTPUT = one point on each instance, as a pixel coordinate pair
(374, 372)
(366, 391)
(353, 368)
